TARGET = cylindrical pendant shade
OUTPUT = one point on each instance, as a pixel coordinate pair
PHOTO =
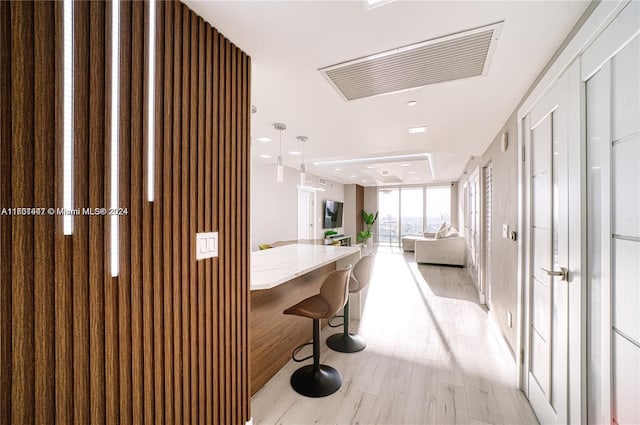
(280, 170)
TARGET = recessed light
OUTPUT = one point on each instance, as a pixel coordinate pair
(263, 139)
(265, 156)
(295, 153)
(364, 181)
(414, 130)
(353, 176)
(370, 4)
(371, 166)
(411, 172)
(337, 169)
(412, 103)
(405, 165)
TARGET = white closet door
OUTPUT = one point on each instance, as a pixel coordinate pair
(613, 196)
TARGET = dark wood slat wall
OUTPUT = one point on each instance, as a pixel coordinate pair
(167, 340)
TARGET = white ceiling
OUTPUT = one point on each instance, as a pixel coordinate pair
(289, 41)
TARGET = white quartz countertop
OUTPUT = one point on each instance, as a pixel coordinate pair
(272, 267)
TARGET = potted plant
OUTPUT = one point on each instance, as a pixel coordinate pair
(369, 220)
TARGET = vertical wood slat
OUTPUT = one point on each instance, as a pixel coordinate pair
(44, 189)
(96, 223)
(208, 122)
(124, 279)
(193, 284)
(177, 218)
(185, 239)
(137, 366)
(80, 241)
(215, 190)
(5, 222)
(227, 235)
(233, 232)
(200, 226)
(148, 294)
(22, 388)
(166, 37)
(158, 290)
(221, 308)
(245, 255)
(62, 298)
(112, 384)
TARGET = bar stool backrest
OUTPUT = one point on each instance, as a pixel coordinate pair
(335, 289)
(361, 275)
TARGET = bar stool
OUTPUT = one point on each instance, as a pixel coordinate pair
(318, 380)
(346, 342)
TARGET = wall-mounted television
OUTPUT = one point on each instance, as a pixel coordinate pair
(332, 214)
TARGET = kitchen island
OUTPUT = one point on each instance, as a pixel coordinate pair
(281, 277)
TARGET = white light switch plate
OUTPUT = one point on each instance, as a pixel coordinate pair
(505, 230)
(206, 245)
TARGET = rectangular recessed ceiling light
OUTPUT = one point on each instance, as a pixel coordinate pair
(370, 4)
(388, 158)
(263, 139)
(265, 156)
(415, 130)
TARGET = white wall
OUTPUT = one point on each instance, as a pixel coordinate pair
(274, 206)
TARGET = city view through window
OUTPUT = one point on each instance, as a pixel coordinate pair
(411, 211)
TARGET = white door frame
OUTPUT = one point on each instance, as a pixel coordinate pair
(603, 14)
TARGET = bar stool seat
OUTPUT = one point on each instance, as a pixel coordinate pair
(318, 380)
(346, 342)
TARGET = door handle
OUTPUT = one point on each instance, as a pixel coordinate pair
(563, 274)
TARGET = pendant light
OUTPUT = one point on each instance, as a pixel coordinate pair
(280, 127)
(303, 171)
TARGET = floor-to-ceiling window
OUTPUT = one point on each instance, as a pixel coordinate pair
(388, 216)
(438, 207)
(411, 211)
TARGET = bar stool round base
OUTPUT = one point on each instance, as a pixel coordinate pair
(346, 343)
(316, 383)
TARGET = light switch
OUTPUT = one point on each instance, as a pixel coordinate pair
(206, 245)
(505, 231)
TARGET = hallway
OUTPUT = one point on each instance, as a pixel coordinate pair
(431, 358)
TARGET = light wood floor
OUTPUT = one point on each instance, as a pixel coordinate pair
(431, 358)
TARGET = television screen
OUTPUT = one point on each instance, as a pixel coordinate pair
(332, 214)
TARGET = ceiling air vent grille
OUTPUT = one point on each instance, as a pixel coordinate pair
(453, 57)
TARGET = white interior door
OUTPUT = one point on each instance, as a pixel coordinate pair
(306, 216)
(611, 70)
(548, 256)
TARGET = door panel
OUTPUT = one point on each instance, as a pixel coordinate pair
(549, 252)
(627, 381)
(625, 88)
(626, 190)
(613, 194)
(626, 297)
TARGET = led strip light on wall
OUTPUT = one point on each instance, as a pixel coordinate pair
(67, 155)
(115, 139)
(151, 104)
